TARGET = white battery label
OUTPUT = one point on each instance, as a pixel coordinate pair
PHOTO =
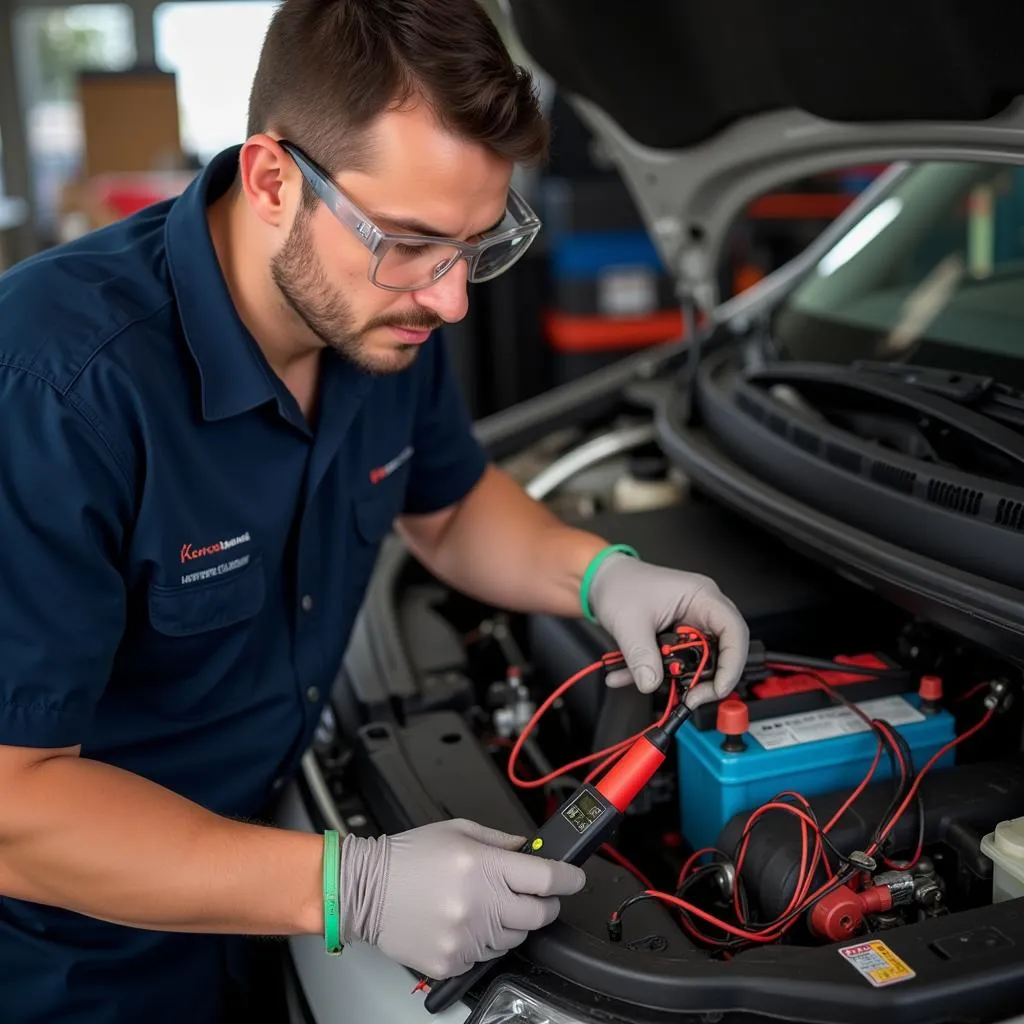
(828, 723)
(877, 963)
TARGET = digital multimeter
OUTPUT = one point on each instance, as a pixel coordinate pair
(585, 821)
(576, 829)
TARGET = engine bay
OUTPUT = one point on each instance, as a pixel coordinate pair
(847, 792)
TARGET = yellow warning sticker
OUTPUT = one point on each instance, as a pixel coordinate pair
(877, 962)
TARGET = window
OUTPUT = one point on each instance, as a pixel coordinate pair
(932, 274)
(53, 44)
(213, 47)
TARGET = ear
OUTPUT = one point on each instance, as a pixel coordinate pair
(270, 180)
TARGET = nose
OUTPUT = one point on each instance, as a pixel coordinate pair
(448, 297)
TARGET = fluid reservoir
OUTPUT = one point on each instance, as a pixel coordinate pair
(1005, 848)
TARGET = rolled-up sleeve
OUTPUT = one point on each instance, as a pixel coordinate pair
(65, 502)
(447, 460)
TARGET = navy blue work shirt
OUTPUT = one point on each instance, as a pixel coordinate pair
(181, 557)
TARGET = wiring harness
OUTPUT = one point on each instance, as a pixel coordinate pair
(687, 654)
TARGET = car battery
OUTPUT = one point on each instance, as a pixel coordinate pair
(808, 752)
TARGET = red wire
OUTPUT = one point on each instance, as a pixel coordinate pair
(776, 931)
(977, 688)
(705, 916)
(942, 751)
(851, 800)
(800, 900)
(692, 860)
(772, 932)
(888, 730)
(610, 754)
(806, 871)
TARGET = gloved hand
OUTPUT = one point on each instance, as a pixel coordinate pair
(634, 601)
(439, 898)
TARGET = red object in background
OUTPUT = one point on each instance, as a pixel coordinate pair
(799, 206)
(798, 682)
(125, 194)
(573, 334)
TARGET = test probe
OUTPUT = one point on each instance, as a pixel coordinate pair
(589, 817)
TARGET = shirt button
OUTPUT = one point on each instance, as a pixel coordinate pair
(313, 693)
(307, 603)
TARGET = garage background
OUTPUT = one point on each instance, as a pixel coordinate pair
(106, 107)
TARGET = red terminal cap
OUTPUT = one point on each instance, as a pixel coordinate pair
(930, 688)
(733, 717)
(837, 915)
(876, 900)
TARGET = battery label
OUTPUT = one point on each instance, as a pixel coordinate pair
(828, 723)
(877, 963)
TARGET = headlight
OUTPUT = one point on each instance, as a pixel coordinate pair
(508, 1003)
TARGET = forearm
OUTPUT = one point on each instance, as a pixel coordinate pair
(506, 549)
(88, 837)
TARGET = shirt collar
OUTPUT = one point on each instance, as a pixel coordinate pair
(234, 376)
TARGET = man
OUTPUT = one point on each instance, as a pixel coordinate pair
(214, 412)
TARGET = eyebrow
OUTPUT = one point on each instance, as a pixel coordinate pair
(416, 227)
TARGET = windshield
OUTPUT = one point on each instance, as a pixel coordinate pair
(932, 274)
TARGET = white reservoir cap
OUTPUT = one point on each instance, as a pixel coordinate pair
(1009, 838)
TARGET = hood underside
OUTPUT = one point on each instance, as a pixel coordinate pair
(703, 106)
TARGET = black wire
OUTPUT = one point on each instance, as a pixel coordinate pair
(842, 858)
(902, 789)
(809, 811)
(892, 739)
(893, 742)
(704, 871)
(737, 942)
(918, 801)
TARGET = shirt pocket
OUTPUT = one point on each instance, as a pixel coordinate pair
(200, 650)
(193, 608)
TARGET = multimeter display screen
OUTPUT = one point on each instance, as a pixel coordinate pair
(583, 811)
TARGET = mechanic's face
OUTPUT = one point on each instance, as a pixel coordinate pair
(423, 180)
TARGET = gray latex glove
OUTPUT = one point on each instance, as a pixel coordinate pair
(634, 601)
(441, 897)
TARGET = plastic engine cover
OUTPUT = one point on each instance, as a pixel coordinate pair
(810, 753)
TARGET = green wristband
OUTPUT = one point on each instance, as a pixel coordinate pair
(595, 564)
(332, 904)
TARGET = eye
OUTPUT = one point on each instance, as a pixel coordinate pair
(406, 249)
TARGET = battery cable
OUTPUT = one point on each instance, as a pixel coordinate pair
(744, 931)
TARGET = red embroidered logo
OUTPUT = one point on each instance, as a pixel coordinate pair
(190, 553)
(383, 472)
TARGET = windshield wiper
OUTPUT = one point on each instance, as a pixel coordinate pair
(985, 395)
(916, 421)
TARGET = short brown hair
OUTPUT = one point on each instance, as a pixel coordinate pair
(328, 68)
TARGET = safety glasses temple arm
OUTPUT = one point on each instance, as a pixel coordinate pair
(336, 201)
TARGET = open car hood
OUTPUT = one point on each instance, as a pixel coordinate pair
(703, 106)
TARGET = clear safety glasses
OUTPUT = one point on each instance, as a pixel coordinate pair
(404, 263)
